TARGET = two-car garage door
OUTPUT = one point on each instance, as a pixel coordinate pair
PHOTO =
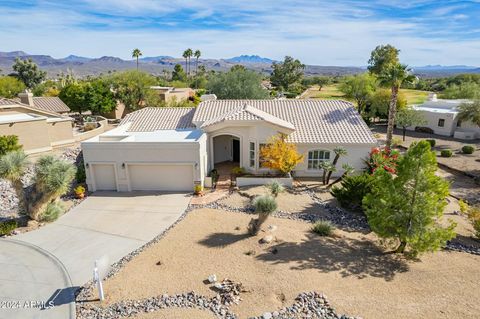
(162, 177)
(146, 176)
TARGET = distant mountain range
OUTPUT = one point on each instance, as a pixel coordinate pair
(83, 66)
(250, 59)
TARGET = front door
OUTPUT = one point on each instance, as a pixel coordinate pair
(236, 150)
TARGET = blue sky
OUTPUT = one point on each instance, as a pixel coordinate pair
(335, 32)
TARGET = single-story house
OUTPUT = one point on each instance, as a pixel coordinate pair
(441, 117)
(45, 103)
(173, 149)
(38, 130)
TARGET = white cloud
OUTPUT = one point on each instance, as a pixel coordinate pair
(327, 34)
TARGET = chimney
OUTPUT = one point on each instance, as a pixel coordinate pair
(26, 97)
(432, 97)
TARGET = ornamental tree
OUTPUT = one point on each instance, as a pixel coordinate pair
(408, 206)
(280, 155)
(382, 158)
(28, 72)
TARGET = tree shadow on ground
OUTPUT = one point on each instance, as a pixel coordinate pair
(351, 257)
(222, 239)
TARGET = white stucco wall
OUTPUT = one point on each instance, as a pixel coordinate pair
(117, 153)
(356, 155)
(432, 118)
(260, 134)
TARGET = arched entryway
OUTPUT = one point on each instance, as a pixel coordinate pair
(226, 151)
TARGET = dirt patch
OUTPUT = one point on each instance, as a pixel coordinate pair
(357, 276)
(236, 200)
(288, 201)
(176, 313)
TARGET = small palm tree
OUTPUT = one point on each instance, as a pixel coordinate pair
(339, 151)
(53, 178)
(328, 168)
(347, 170)
(136, 54)
(264, 206)
(12, 168)
(469, 112)
(394, 76)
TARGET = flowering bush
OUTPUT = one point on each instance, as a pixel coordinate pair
(382, 158)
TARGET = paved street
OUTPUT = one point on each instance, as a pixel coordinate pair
(106, 227)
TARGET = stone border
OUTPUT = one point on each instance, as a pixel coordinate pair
(306, 305)
(56, 261)
(86, 291)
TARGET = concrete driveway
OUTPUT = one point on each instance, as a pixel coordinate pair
(30, 276)
(106, 226)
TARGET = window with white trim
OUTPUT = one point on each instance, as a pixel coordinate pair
(316, 157)
(252, 154)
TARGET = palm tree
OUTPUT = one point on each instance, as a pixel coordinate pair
(136, 54)
(197, 54)
(469, 112)
(187, 54)
(394, 76)
(339, 151)
(12, 168)
(53, 178)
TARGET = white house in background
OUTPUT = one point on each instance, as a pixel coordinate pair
(442, 117)
(171, 149)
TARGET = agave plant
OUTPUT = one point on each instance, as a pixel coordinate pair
(52, 180)
(12, 168)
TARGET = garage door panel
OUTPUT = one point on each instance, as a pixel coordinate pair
(104, 177)
(162, 177)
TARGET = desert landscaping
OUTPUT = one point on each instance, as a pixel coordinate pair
(353, 269)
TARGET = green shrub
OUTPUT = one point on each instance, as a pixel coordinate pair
(9, 143)
(80, 175)
(52, 212)
(7, 227)
(265, 205)
(432, 142)
(275, 188)
(446, 153)
(214, 175)
(353, 189)
(468, 149)
(323, 228)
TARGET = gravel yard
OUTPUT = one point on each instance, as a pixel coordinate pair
(8, 198)
(351, 268)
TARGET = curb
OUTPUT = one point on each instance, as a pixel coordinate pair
(59, 264)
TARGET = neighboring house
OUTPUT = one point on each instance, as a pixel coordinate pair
(45, 103)
(442, 117)
(167, 94)
(171, 94)
(174, 148)
(38, 130)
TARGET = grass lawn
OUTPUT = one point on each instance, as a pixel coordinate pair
(351, 268)
(331, 92)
